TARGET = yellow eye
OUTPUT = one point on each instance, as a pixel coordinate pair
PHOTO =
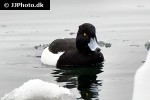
(84, 34)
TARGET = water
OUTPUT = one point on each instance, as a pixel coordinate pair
(20, 62)
(82, 78)
(123, 25)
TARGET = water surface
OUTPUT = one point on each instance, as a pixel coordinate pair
(123, 24)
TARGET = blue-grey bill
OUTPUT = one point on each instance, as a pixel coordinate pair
(93, 44)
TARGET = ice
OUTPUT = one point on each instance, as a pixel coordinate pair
(39, 90)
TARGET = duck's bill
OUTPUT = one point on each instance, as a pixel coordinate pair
(93, 44)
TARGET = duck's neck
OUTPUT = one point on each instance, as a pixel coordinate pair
(84, 52)
(82, 47)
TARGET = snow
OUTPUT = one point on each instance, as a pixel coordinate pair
(39, 90)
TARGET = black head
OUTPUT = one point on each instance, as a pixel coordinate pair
(86, 41)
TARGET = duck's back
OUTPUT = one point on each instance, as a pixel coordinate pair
(61, 45)
(51, 54)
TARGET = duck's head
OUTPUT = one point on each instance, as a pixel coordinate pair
(86, 41)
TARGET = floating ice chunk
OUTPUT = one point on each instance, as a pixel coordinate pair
(39, 90)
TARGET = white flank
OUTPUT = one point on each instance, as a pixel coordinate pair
(142, 81)
(50, 58)
(39, 90)
(93, 44)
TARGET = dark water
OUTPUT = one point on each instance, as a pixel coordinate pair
(82, 78)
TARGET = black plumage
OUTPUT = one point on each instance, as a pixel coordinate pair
(77, 51)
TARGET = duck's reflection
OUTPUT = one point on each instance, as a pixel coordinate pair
(83, 78)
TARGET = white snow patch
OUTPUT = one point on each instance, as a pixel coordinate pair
(39, 90)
